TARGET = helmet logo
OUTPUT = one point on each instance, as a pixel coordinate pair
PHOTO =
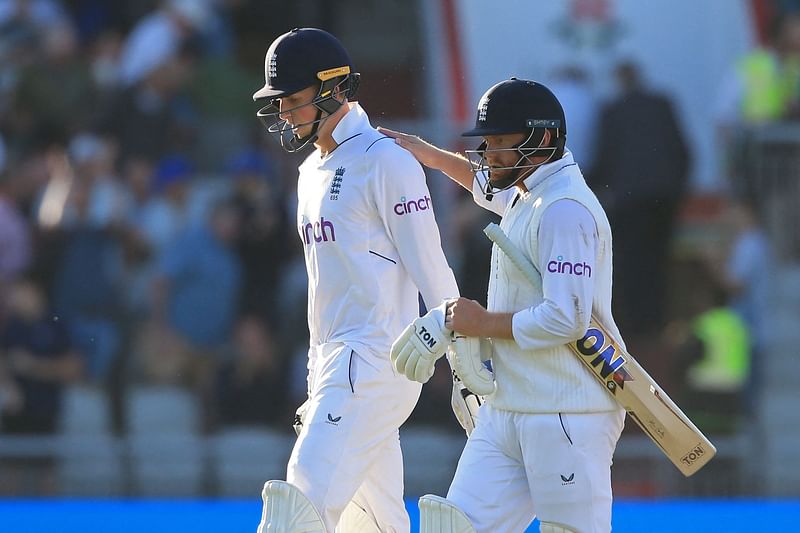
(333, 72)
(540, 123)
(482, 109)
(273, 66)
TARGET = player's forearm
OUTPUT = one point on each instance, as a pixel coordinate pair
(549, 324)
(456, 166)
(488, 324)
(498, 326)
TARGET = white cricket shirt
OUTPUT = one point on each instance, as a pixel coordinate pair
(371, 242)
(561, 228)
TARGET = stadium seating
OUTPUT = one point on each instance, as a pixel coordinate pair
(244, 458)
(89, 455)
(166, 450)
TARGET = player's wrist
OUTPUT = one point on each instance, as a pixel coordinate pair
(499, 325)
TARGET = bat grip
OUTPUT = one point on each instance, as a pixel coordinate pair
(502, 241)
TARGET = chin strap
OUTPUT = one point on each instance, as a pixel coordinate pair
(329, 104)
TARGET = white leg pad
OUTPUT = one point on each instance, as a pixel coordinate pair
(287, 510)
(552, 527)
(437, 515)
(354, 519)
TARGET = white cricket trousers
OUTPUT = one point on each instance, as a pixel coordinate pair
(516, 466)
(349, 447)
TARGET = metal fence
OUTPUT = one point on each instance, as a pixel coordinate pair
(765, 170)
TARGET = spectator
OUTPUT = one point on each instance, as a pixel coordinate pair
(160, 35)
(3, 155)
(765, 84)
(263, 244)
(640, 176)
(165, 214)
(747, 271)
(744, 270)
(153, 124)
(15, 233)
(138, 250)
(38, 362)
(251, 388)
(51, 90)
(39, 357)
(199, 279)
(711, 351)
(574, 90)
(103, 60)
(94, 159)
(763, 87)
(42, 14)
(88, 280)
(196, 297)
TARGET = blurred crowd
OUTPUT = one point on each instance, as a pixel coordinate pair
(144, 227)
(146, 232)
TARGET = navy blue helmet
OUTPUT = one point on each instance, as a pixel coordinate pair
(517, 106)
(298, 59)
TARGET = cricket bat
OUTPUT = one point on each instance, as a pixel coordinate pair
(625, 379)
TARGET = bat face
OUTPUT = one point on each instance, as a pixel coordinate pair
(645, 402)
(606, 358)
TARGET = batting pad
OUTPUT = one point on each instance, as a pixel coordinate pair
(287, 510)
(354, 519)
(437, 515)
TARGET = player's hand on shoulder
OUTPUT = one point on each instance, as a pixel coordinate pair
(426, 153)
(415, 351)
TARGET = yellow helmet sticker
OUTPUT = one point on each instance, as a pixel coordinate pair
(333, 72)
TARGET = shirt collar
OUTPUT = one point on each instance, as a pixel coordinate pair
(547, 170)
(355, 121)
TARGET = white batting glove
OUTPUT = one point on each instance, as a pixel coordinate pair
(466, 357)
(415, 351)
(465, 404)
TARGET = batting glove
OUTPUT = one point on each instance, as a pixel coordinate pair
(415, 351)
(465, 404)
(466, 358)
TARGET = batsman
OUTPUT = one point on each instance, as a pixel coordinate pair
(544, 439)
(371, 247)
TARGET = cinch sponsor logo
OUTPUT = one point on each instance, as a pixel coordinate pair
(605, 358)
(404, 207)
(322, 231)
(565, 267)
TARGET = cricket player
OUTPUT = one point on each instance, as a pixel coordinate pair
(545, 437)
(371, 244)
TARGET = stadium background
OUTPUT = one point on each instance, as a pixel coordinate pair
(153, 291)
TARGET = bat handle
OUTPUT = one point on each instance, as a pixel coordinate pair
(497, 236)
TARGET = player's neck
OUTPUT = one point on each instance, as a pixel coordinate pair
(520, 184)
(325, 141)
